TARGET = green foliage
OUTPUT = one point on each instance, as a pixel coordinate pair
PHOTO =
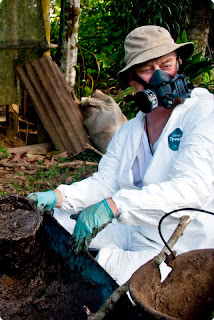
(87, 155)
(183, 37)
(55, 175)
(3, 153)
(2, 194)
(124, 93)
(128, 108)
(211, 315)
(103, 28)
(171, 15)
(55, 9)
(197, 68)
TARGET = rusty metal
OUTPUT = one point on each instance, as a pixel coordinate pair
(53, 100)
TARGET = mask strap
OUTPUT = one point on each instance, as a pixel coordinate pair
(179, 65)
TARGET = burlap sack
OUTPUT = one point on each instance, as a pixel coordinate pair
(103, 118)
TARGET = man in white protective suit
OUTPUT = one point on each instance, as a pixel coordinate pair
(160, 161)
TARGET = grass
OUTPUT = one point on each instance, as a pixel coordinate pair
(2, 193)
(43, 179)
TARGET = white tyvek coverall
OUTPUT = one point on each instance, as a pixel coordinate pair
(173, 180)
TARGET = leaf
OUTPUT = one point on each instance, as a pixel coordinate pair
(126, 92)
(184, 36)
(168, 8)
(167, 26)
(117, 34)
(86, 91)
(196, 57)
(197, 69)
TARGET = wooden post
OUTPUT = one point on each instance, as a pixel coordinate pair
(12, 120)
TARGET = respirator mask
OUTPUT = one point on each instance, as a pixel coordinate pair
(162, 90)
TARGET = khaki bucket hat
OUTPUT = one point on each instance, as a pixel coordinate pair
(150, 42)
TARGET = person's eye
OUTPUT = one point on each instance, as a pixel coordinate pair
(166, 66)
(146, 70)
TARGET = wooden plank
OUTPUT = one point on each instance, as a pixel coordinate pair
(47, 146)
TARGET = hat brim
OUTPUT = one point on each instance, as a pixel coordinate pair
(185, 50)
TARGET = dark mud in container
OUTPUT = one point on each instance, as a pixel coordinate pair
(34, 281)
(19, 223)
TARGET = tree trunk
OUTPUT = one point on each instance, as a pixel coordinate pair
(200, 23)
(70, 22)
(46, 18)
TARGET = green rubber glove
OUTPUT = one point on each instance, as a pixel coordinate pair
(45, 200)
(89, 222)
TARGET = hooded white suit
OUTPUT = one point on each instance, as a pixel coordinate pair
(179, 175)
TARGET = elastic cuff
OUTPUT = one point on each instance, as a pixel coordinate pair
(55, 198)
(105, 202)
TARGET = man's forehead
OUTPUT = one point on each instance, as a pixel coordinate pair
(161, 59)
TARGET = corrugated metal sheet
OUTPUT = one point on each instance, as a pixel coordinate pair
(54, 103)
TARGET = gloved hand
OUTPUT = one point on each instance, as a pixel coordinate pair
(45, 200)
(89, 222)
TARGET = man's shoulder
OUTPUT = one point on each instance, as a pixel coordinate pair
(197, 108)
(202, 94)
(201, 101)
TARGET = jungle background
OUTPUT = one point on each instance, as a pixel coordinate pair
(99, 28)
(103, 26)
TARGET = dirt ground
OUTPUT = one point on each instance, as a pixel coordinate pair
(6, 179)
(17, 166)
(7, 175)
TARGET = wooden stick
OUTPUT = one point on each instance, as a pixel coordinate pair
(73, 164)
(11, 164)
(23, 149)
(88, 146)
(110, 303)
(184, 221)
(77, 163)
